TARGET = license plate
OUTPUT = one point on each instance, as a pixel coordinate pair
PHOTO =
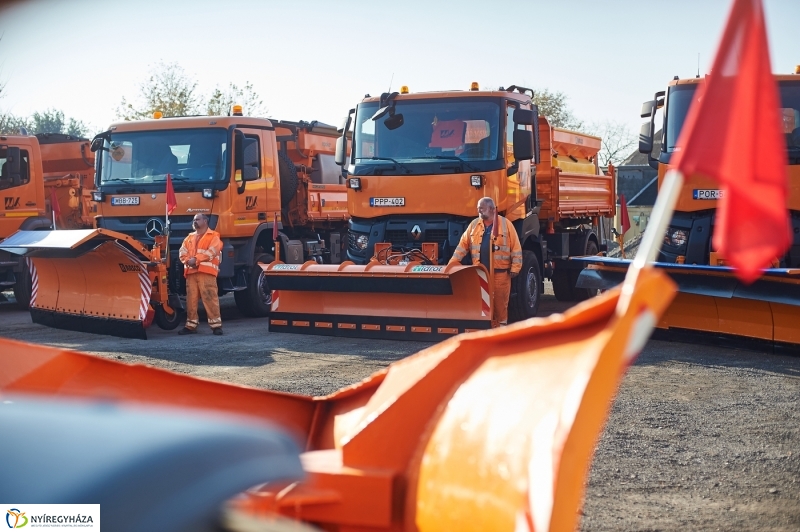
(125, 200)
(387, 202)
(706, 194)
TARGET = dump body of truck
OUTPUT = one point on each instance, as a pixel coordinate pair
(710, 297)
(246, 174)
(52, 166)
(418, 166)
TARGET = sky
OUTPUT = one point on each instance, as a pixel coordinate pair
(315, 59)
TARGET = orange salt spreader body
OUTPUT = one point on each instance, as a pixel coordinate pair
(492, 430)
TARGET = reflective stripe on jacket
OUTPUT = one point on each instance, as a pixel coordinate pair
(507, 253)
(208, 253)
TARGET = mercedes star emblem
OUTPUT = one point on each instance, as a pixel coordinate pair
(154, 227)
(416, 232)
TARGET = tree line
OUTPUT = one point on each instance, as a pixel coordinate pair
(171, 91)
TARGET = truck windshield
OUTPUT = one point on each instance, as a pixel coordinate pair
(434, 134)
(680, 98)
(143, 157)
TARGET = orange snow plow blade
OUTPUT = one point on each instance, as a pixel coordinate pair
(409, 302)
(492, 430)
(712, 302)
(90, 280)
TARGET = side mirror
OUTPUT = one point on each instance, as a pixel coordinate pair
(340, 157)
(646, 137)
(648, 108)
(394, 121)
(523, 145)
(247, 157)
(97, 143)
(525, 117)
(13, 158)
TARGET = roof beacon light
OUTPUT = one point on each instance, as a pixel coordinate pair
(474, 86)
(157, 114)
(237, 110)
(797, 69)
(404, 89)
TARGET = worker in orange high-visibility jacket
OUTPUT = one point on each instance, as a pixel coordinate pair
(477, 240)
(200, 254)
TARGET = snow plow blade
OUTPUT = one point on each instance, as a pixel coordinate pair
(479, 432)
(88, 280)
(410, 302)
(711, 299)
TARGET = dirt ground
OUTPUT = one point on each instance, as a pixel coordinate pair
(701, 437)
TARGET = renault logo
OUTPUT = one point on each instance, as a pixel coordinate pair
(416, 232)
(154, 227)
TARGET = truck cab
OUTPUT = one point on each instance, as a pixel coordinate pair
(688, 237)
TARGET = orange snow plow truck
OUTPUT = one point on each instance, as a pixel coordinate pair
(247, 174)
(419, 164)
(711, 301)
(37, 170)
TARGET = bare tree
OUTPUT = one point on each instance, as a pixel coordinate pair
(553, 105)
(220, 102)
(618, 141)
(168, 89)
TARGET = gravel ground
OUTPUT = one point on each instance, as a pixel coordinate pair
(700, 437)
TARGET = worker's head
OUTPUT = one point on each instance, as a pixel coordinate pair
(200, 222)
(486, 208)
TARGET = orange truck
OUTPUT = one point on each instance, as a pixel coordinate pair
(247, 174)
(35, 171)
(710, 299)
(419, 164)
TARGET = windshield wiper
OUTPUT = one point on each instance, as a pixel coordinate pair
(451, 158)
(404, 167)
(122, 179)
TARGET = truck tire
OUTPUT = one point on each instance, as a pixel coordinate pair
(582, 294)
(527, 287)
(166, 321)
(23, 288)
(289, 179)
(256, 300)
(562, 285)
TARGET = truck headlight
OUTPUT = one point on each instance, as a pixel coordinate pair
(362, 241)
(354, 183)
(97, 195)
(678, 237)
(476, 181)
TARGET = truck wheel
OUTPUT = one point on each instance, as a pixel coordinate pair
(582, 294)
(167, 321)
(527, 286)
(562, 286)
(23, 288)
(289, 179)
(256, 300)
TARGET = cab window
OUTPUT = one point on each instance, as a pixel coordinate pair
(6, 180)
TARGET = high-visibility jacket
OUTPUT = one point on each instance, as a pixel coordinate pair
(507, 253)
(207, 250)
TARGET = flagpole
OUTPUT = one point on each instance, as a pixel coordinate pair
(166, 225)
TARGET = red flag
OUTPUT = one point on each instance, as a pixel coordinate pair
(625, 220)
(733, 135)
(275, 228)
(172, 201)
(54, 206)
